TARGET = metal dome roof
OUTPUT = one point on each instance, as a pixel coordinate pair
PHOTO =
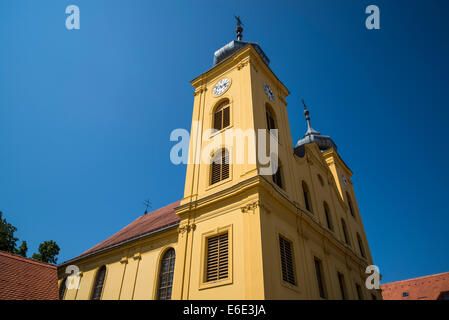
(323, 142)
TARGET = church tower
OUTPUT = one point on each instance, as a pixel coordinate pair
(245, 233)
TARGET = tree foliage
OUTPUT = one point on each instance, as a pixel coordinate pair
(48, 251)
(22, 250)
(7, 239)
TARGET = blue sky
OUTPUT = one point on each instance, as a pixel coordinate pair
(86, 115)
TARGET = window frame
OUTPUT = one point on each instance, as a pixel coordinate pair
(222, 104)
(359, 291)
(62, 285)
(94, 285)
(328, 216)
(306, 194)
(279, 174)
(269, 111)
(211, 168)
(350, 205)
(203, 284)
(361, 245)
(322, 290)
(345, 230)
(293, 258)
(342, 285)
(159, 272)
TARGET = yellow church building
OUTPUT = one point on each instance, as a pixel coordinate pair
(238, 233)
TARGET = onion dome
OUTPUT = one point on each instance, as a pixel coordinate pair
(323, 142)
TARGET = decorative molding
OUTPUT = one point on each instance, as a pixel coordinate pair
(199, 90)
(253, 64)
(124, 260)
(187, 228)
(250, 207)
(242, 65)
(137, 256)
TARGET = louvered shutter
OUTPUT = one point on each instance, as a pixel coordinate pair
(218, 120)
(220, 167)
(288, 269)
(224, 165)
(217, 260)
(226, 117)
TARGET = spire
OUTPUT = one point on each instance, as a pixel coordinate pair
(310, 130)
(239, 28)
(323, 142)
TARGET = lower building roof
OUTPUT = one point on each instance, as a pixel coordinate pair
(26, 279)
(432, 287)
(144, 225)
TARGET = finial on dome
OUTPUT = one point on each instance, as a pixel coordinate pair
(323, 142)
(239, 28)
(310, 130)
(306, 113)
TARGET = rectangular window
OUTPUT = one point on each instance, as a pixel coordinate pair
(341, 282)
(319, 277)
(217, 259)
(287, 262)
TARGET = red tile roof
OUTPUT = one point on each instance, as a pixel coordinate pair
(423, 288)
(25, 279)
(151, 222)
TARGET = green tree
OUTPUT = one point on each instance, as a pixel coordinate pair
(7, 239)
(48, 250)
(23, 249)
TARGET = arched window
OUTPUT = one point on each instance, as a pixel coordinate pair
(220, 167)
(62, 288)
(328, 217)
(222, 115)
(307, 198)
(345, 232)
(271, 120)
(361, 247)
(277, 177)
(99, 282)
(166, 275)
(351, 209)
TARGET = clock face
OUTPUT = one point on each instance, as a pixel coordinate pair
(268, 91)
(221, 86)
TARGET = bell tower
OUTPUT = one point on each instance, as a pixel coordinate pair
(231, 103)
(250, 233)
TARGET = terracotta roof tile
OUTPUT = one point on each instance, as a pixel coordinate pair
(151, 222)
(26, 279)
(423, 288)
